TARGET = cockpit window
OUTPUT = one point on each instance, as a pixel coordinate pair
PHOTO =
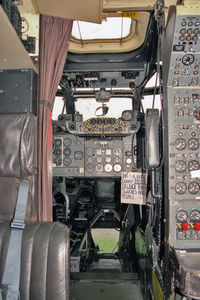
(151, 101)
(111, 28)
(115, 34)
(58, 108)
(89, 108)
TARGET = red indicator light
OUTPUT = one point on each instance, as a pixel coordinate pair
(197, 226)
(185, 226)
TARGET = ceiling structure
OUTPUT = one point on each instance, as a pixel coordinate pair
(91, 11)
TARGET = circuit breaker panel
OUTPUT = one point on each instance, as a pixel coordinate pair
(182, 123)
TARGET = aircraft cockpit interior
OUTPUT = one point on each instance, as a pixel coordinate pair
(100, 167)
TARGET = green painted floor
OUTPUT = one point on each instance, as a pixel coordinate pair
(108, 286)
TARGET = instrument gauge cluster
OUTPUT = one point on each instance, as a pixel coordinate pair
(104, 157)
(183, 215)
(91, 156)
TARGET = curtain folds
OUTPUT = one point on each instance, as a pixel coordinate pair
(55, 36)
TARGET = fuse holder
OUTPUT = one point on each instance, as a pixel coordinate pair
(197, 226)
(185, 226)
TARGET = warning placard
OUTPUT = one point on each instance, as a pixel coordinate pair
(129, 14)
(133, 187)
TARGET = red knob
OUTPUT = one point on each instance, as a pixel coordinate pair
(197, 226)
(185, 226)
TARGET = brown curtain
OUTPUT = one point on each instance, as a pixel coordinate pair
(55, 36)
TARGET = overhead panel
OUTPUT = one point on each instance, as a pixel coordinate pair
(86, 10)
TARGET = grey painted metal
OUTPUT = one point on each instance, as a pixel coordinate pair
(11, 276)
(182, 127)
(101, 286)
(114, 153)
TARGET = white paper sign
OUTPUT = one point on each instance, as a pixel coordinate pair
(133, 187)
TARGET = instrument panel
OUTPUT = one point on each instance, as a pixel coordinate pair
(184, 70)
(182, 114)
(184, 145)
(92, 157)
(68, 155)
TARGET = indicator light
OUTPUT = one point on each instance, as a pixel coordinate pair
(197, 226)
(185, 226)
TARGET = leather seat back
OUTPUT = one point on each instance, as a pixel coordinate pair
(18, 160)
(45, 246)
(44, 260)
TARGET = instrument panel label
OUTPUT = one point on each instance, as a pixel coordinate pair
(178, 48)
(133, 187)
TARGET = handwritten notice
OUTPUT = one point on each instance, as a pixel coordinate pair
(133, 187)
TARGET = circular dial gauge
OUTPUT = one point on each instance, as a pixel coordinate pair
(180, 166)
(108, 168)
(78, 155)
(99, 159)
(181, 188)
(90, 151)
(193, 165)
(67, 142)
(90, 159)
(99, 168)
(181, 216)
(193, 144)
(126, 115)
(193, 188)
(180, 144)
(57, 161)
(117, 167)
(188, 59)
(195, 215)
(108, 159)
(57, 142)
(67, 152)
(90, 168)
(117, 151)
(78, 118)
(129, 161)
(67, 161)
(57, 152)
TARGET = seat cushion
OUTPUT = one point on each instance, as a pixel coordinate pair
(17, 151)
(44, 260)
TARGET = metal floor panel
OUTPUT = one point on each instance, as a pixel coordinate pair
(106, 264)
(99, 289)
